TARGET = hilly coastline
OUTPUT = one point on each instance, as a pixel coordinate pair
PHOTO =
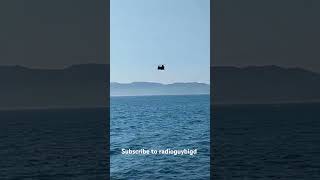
(264, 84)
(84, 85)
(87, 85)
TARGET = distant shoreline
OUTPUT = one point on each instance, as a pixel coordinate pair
(51, 108)
(266, 103)
(160, 83)
(160, 95)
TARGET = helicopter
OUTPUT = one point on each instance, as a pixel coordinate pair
(161, 67)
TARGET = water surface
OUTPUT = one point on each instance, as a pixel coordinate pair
(266, 141)
(54, 144)
(160, 122)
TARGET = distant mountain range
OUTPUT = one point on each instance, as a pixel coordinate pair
(264, 84)
(151, 88)
(87, 85)
(83, 85)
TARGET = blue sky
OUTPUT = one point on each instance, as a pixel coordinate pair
(145, 33)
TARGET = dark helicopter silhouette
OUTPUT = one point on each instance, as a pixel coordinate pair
(161, 67)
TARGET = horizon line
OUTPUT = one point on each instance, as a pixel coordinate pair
(160, 82)
(108, 64)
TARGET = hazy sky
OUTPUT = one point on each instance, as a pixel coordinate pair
(280, 32)
(145, 33)
(52, 33)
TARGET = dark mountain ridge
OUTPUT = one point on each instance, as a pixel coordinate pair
(75, 73)
(264, 84)
(86, 85)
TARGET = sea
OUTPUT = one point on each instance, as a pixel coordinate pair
(274, 141)
(160, 123)
(54, 144)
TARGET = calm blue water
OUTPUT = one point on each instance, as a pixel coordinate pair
(160, 122)
(54, 144)
(266, 142)
(249, 141)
